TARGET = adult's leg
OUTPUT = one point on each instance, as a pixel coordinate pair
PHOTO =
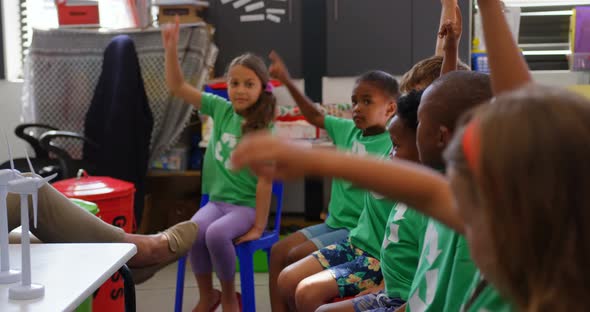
(61, 221)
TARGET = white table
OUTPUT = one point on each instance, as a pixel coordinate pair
(69, 272)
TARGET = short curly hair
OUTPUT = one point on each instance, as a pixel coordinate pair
(424, 73)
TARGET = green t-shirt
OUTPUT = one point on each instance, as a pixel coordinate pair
(401, 249)
(488, 299)
(219, 181)
(368, 234)
(445, 271)
(347, 201)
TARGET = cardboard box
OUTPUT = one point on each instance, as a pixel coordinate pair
(78, 13)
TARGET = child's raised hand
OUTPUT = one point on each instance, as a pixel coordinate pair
(170, 34)
(270, 157)
(278, 69)
(451, 30)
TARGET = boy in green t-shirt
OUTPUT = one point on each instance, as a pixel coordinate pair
(403, 230)
(374, 102)
(353, 265)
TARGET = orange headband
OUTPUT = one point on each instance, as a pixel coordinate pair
(471, 145)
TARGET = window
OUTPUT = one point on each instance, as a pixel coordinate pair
(21, 16)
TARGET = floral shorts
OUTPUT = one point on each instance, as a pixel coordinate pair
(353, 269)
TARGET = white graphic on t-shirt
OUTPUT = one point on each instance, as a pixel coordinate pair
(359, 148)
(393, 234)
(431, 281)
(399, 213)
(377, 196)
(229, 141)
(416, 304)
(430, 242)
(400, 210)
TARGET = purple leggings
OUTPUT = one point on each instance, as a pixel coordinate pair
(219, 224)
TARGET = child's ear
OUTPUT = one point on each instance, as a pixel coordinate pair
(392, 108)
(444, 136)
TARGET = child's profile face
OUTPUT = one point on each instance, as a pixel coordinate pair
(371, 107)
(243, 87)
(428, 135)
(404, 140)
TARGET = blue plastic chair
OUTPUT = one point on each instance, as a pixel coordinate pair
(245, 253)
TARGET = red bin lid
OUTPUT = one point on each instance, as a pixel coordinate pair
(89, 187)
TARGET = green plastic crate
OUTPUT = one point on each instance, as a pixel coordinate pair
(260, 263)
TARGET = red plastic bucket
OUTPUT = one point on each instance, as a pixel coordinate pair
(115, 202)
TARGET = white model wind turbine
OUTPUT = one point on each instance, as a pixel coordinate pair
(24, 187)
(7, 276)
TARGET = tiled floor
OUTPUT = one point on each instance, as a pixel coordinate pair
(158, 293)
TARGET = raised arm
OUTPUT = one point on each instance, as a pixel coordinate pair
(451, 32)
(174, 78)
(310, 111)
(419, 187)
(508, 68)
(446, 14)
